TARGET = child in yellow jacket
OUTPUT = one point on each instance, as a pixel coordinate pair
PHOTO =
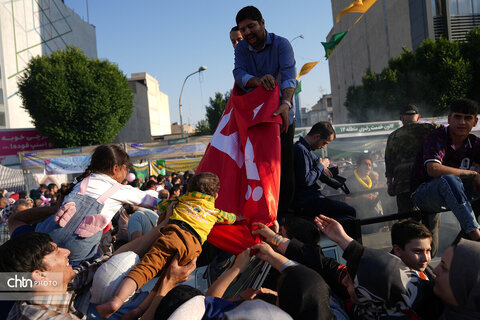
(192, 219)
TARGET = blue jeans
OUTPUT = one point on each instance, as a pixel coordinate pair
(448, 192)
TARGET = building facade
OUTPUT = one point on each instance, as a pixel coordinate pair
(384, 30)
(30, 28)
(321, 111)
(151, 112)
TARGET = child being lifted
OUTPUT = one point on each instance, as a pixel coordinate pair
(192, 219)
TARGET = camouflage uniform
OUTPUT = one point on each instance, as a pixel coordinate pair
(402, 147)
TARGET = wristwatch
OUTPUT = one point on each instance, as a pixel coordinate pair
(287, 103)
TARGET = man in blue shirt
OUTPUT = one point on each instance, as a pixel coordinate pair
(308, 169)
(265, 59)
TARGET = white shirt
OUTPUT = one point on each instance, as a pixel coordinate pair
(99, 183)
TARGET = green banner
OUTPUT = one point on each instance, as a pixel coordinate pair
(141, 172)
(333, 43)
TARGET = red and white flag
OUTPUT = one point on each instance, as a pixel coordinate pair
(245, 154)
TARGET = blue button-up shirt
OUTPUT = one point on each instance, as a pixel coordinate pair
(307, 172)
(275, 58)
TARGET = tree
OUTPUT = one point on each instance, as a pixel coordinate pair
(74, 100)
(213, 114)
(202, 128)
(438, 72)
(215, 110)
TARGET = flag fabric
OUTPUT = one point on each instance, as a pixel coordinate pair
(333, 43)
(357, 6)
(140, 171)
(298, 89)
(157, 167)
(306, 68)
(245, 154)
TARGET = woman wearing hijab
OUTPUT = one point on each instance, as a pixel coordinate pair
(458, 281)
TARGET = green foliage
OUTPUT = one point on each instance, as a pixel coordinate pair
(438, 72)
(470, 49)
(202, 128)
(215, 110)
(213, 114)
(74, 100)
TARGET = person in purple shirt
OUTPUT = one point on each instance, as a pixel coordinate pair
(264, 59)
(445, 173)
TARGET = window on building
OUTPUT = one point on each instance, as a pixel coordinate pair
(462, 7)
(453, 7)
(476, 6)
(437, 8)
(1, 96)
(465, 7)
(2, 119)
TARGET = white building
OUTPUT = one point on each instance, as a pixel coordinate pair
(29, 28)
(151, 112)
(321, 111)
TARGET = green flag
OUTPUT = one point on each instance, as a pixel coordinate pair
(298, 89)
(333, 43)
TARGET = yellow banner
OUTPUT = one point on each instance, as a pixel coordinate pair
(306, 68)
(358, 6)
(182, 165)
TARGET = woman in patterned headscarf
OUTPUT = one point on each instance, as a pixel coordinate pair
(458, 281)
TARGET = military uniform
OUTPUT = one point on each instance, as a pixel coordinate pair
(402, 147)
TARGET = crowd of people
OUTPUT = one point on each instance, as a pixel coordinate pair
(91, 247)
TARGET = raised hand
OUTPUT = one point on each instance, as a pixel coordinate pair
(333, 230)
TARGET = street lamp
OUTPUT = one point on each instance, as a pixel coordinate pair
(296, 96)
(202, 68)
(299, 36)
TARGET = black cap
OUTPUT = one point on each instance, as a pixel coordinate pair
(409, 110)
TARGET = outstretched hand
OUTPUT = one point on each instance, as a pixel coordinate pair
(333, 230)
(264, 231)
(177, 273)
(264, 251)
(242, 260)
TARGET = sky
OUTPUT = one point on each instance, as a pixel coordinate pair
(171, 39)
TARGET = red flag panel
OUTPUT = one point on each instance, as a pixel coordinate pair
(245, 154)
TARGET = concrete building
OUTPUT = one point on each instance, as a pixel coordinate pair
(151, 112)
(187, 129)
(384, 30)
(30, 28)
(321, 111)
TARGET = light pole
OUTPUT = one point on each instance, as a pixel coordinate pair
(299, 36)
(296, 96)
(202, 68)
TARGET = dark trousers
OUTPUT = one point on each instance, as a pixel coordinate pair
(287, 178)
(337, 210)
(404, 202)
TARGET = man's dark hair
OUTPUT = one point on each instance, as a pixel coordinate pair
(406, 230)
(234, 29)
(25, 253)
(175, 187)
(249, 12)
(20, 202)
(465, 106)
(324, 128)
(42, 186)
(150, 184)
(204, 182)
(302, 230)
(51, 186)
(135, 183)
(174, 299)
